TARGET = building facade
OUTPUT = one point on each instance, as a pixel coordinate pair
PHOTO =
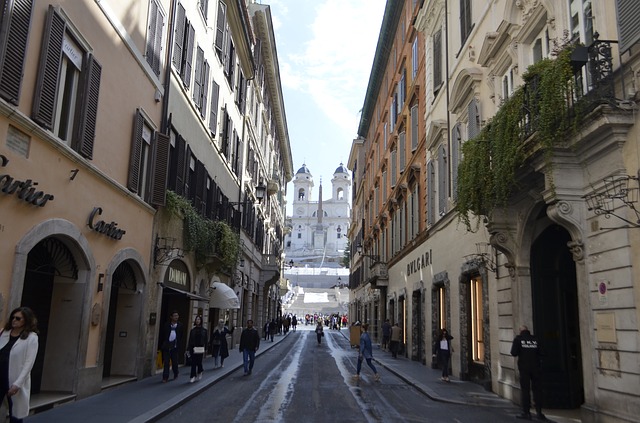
(551, 243)
(128, 127)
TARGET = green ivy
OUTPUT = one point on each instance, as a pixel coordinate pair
(206, 238)
(487, 172)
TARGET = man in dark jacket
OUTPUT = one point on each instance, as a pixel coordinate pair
(170, 341)
(526, 347)
(249, 344)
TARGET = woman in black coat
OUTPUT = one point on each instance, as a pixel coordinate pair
(442, 350)
(219, 346)
(197, 344)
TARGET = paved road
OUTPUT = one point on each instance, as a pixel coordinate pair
(301, 381)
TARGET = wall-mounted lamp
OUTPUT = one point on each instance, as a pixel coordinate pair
(165, 251)
(360, 250)
(485, 256)
(616, 188)
(100, 282)
(260, 191)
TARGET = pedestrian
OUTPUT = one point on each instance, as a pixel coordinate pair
(526, 347)
(272, 329)
(442, 352)
(396, 336)
(249, 344)
(386, 334)
(319, 331)
(18, 350)
(366, 352)
(219, 345)
(196, 347)
(294, 322)
(171, 339)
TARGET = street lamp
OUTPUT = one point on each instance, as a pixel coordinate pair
(359, 249)
(260, 192)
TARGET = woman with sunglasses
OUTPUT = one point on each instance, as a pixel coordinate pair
(18, 350)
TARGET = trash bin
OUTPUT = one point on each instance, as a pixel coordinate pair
(354, 335)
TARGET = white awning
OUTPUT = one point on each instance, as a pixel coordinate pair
(223, 297)
(191, 296)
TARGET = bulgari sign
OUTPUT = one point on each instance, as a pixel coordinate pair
(419, 262)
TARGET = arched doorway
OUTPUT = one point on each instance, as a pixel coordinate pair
(123, 322)
(52, 290)
(555, 318)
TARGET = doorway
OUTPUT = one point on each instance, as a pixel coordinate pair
(555, 318)
(417, 330)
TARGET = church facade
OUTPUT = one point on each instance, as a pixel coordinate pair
(318, 228)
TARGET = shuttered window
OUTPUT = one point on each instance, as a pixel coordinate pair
(201, 82)
(414, 59)
(67, 86)
(473, 126)
(221, 23)
(431, 207)
(456, 148)
(414, 127)
(402, 148)
(148, 162)
(465, 20)
(628, 28)
(437, 60)
(394, 167)
(213, 117)
(183, 42)
(442, 180)
(155, 26)
(14, 34)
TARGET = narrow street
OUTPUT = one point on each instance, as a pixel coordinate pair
(301, 381)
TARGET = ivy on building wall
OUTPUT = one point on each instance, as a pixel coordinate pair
(534, 119)
(208, 239)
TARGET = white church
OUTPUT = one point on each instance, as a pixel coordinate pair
(318, 228)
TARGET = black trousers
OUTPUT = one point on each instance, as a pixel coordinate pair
(529, 377)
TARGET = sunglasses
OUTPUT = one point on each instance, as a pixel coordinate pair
(18, 318)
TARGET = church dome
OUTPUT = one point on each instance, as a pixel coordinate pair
(304, 170)
(341, 169)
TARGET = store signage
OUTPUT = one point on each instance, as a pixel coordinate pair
(422, 261)
(109, 229)
(178, 276)
(25, 190)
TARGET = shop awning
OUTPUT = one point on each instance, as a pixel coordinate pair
(191, 296)
(222, 296)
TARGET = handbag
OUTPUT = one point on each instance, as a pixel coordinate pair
(198, 350)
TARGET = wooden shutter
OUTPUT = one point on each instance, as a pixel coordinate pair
(178, 38)
(186, 75)
(473, 127)
(628, 29)
(205, 88)
(87, 109)
(161, 148)
(402, 146)
(136, 152)
(14, 34)
(180, 154)
(414, 127)
(154, 37)
(213, 117)
(44, 101)
(437, 60)
(456, 140)
(197, 78)
(199, 191)
(442, 180)
(431, 210)
(220, 26)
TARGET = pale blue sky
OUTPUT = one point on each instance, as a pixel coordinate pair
(325, 50)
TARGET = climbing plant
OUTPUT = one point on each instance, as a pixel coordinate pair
(538, 113)
(206, 238)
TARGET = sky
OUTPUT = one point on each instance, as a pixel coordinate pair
(325, 51)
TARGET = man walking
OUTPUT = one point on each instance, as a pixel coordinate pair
(171, 339)
(249, 344)
(525, 346)
(396, 334)
(386, 334)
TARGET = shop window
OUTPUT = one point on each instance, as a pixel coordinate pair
(477, 333)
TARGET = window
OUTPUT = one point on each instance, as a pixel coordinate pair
(183, 38)
(540, 46)
(402, 91)
(442, 180)
(477, 333)
(415, 212)
(148, 162)
(431, 209)
(507, 84)
(437, 61)
(221, 29)
(299, 236)
(456, 148)
(213, 117)
(414, 59)
(15, 17)
(155, 26)
(67, 87)
(201, 82)
(473, 126)
(581, 22)
(204, 8)
(394, 167)
(442, 307)
(402, 147)
(414, 127)
(465, 20)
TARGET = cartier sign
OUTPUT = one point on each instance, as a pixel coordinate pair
(109, 229)
(417, 263)
(25, 190)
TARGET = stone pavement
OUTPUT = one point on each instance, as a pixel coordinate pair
(149, 399)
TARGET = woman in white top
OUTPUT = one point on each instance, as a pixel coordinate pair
(18, 350)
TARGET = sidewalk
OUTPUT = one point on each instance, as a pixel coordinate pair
(147, 399)
(427, 380)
